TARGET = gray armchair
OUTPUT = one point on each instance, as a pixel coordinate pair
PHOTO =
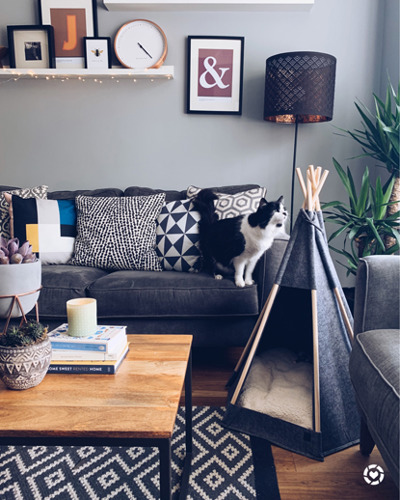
(375, 358)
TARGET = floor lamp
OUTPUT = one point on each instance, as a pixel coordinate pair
(299, 88)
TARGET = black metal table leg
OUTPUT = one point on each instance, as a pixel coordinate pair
(188, 431)
(165, 469)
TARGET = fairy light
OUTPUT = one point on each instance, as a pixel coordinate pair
(16, 75)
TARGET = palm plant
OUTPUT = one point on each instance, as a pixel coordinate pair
(364, 220)
(379, 139)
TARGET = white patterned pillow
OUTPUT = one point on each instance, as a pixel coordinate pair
(232, 205)
(117, 233)
(39, 192)
(177, 237)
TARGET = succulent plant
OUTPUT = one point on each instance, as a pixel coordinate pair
(12, 253)
(28, 333)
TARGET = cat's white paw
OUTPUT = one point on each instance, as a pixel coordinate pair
(240, 283)
(218, 277)
(249, 282)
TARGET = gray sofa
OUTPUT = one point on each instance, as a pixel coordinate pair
(216, 312)
(375, 358)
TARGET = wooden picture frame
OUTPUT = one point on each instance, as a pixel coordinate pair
(215, 75)
(31, 46)
(72, 20)
(97, 52)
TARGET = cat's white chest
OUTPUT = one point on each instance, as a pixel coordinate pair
(257, 239)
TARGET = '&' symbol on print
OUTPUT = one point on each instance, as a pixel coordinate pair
(209, 65)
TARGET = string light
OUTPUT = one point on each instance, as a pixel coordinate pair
(17, 75)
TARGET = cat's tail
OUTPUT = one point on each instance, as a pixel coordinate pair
(204, 203)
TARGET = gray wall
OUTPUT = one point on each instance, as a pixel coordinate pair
(86, 135)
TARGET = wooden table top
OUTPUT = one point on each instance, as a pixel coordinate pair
(140, 401)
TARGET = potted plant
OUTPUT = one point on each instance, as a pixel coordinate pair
(20, 277)
(25, 354)
(379, 139)
(364, 221)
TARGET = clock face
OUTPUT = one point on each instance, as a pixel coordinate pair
(140, 44)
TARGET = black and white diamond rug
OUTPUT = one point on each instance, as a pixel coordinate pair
(226, 465)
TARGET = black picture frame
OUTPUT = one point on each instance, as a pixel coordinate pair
(26, 52)
(215, 75)
(90, 55)
(70, 27)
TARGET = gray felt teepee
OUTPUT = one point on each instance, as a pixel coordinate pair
(291, 385)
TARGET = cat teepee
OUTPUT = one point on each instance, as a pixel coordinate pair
(291, 386)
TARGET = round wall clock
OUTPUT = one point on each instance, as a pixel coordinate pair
(140, 44)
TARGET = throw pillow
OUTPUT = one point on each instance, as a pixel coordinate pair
(117, 233)
(177, 237)
(39, 192)
(48, 225)
(232, 205)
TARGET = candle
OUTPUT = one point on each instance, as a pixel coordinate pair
(82, 317)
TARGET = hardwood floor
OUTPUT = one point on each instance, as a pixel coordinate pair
(338, 477)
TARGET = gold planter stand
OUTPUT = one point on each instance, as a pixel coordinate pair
(16, 300)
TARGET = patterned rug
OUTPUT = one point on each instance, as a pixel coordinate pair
(225, 466)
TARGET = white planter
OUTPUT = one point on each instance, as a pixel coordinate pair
(19, 279)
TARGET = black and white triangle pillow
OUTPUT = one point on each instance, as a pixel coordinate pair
(177, 237)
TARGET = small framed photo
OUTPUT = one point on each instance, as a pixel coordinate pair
(215, 75)
(97, 52)
(72, 20)
(31, 46)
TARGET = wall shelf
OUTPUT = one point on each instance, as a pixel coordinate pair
(165, 72)
(225, 5)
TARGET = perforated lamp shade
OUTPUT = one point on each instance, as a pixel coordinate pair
(299, 87)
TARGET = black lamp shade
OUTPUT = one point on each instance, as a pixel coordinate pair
(299, 87)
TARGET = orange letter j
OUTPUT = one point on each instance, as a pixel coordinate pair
(71, 41)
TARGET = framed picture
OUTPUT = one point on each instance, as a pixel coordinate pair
(97, 52)
(72, 20)
(215, 75)
(31, 46)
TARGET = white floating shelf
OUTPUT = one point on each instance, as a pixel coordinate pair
(165, 72)
(206, 4)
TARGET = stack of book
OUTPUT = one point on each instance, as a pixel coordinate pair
(102, 352)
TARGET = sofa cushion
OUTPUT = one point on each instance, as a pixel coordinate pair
(117, 233)
(39, 192)
(48, 225)
(61, 283)
(170, 294)
(374, 370)
(177, 237)
(71, 195)
(234, 204)
(170, 195)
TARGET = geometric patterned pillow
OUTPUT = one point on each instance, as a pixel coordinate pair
(39, 192)
(48, 225)
(232, 205)
(177, 237)
(116, 233)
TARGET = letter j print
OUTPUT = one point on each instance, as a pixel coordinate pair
(215, 73)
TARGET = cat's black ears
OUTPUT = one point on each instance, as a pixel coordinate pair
(262, 203)
(280, 200)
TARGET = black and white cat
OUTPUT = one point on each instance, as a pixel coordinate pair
(237, 241)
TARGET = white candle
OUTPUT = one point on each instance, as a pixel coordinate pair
(82, 317)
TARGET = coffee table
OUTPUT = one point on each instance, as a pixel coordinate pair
(135, 407)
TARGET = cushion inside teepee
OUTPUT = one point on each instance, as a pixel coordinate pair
(280, 384)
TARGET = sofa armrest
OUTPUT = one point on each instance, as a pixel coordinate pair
(267, 268)
(376, 304)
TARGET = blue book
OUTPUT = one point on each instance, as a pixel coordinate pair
(105, 339)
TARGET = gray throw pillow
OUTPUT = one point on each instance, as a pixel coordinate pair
(117, 233)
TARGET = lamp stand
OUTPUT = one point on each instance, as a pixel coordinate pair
(293, 173)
